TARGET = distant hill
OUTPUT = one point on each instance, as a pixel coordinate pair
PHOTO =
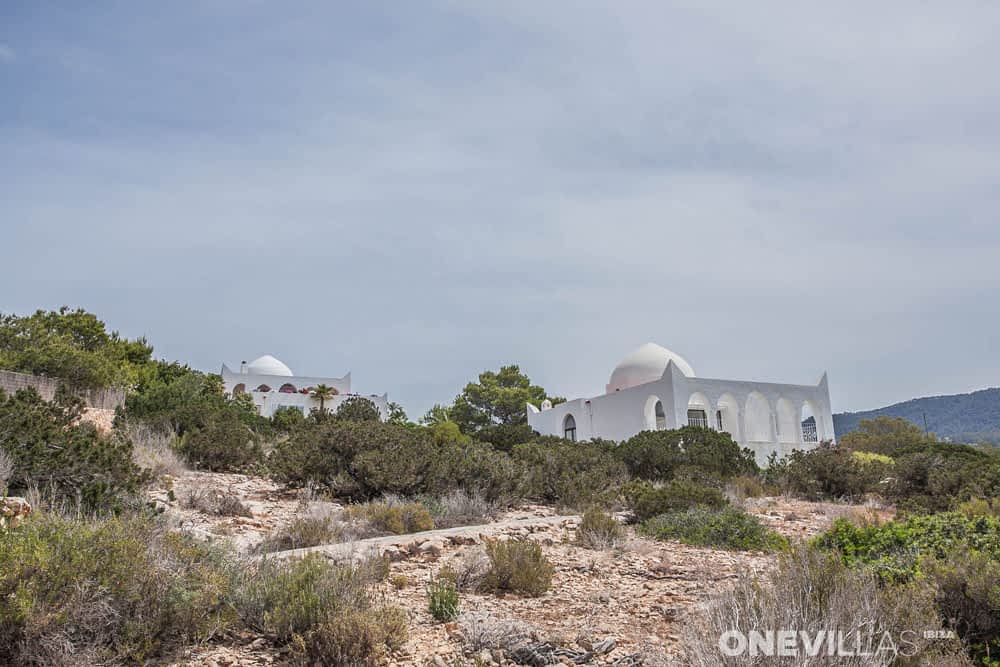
(968, 418)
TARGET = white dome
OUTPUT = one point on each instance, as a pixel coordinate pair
(268, 365)
(645, 364)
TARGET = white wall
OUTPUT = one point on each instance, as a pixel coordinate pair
(620, 415)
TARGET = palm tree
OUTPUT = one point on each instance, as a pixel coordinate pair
(322, 392)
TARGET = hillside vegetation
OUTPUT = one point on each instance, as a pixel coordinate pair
(100, 574)
(967, 418)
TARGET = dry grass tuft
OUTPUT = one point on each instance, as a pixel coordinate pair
(152, 450)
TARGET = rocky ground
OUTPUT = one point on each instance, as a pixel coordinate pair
(619, 602)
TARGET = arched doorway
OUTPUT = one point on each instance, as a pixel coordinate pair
(569, 428)
(654, 414)
(239, 389)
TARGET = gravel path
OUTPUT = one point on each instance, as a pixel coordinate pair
(429, 540)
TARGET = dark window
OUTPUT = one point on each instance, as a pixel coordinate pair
(569, 428)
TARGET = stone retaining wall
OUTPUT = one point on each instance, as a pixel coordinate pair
(104, 399)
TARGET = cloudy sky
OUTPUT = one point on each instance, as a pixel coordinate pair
(417, 191)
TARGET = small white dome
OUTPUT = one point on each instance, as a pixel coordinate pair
(268, 365)
(645, 364)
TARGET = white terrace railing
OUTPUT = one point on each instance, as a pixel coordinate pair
(809, 433)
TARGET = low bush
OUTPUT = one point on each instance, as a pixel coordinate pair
(224, 444)
(459, 508)
(110, 590)
(599, 530)
(394, 515)
(571, 474)
(728, 528)
(815, 594)
(214, 502)
(959, 555)
(152, 450)
(6, 470)
(327, 614)
(742, 487)
(894, 548)
(357, 409)
(51, 450)
(657, 455)
(303, 532)
(442, 599)
(647, 500)
(828, 473)
(517, 566)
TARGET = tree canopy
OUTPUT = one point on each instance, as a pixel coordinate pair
(73, 345)
(497, 399)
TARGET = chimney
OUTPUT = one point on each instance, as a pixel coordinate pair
(243, 368)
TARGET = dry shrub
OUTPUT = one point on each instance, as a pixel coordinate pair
(467, 571)
(517, 566)
(460, 508)
(394, 515)
(810, 591)
(300, 533)
(599, 530)
(215, 503)
(485, 631)
(327, 614)
(152, 450)
(114, 590)
(738, 489)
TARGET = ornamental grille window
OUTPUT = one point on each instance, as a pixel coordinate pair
(697, 418)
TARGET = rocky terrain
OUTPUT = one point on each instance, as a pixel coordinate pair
(614, 604)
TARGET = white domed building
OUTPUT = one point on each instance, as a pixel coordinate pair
(654, 389)
(272, 385)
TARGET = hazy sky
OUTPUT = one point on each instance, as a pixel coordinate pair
(419, 191)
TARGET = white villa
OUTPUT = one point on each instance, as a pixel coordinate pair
(273, 385)
(654, 388)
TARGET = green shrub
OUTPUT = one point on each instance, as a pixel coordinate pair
(959, 555)
(828, 472)
(978, 507)
(325, 613)
(442, 599)
(728, 528)
(572, 474)
(647, 500)
(517, 566)
(287, 419)
(116, 589)
(599, 530)
(353, 638)
(657, 455)
(895, 547)
(357, 409)
(224, 444)
(394, 516)
(359, 460)
(71, 461)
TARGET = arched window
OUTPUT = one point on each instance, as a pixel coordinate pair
(287, 388)
(239, 389)
(661, 416)
(569, 428)
(263, 388)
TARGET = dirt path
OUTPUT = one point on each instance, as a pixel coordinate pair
(432, 542)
